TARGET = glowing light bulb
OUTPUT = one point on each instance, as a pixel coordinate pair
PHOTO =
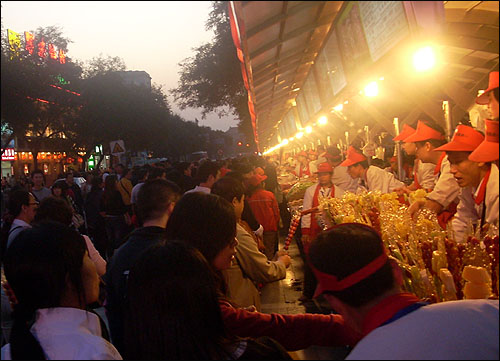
(322, 120)
(309, 129)
(371, 90)
(424, 59)
(299, 135)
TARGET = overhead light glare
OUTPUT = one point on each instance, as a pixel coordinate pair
(371, 90)
(309, 129)
(339, 107)
(322, 120)
(299, 135)
(424, 59)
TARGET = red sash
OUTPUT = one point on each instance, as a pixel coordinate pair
(302, 173)
(314, 229)
(482, 191)
(437, 170)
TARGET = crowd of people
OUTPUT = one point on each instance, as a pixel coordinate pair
(177, 255)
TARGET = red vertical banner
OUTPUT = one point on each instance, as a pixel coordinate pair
(29, 41)
(52, 52)
(62, 57)
(42, 51)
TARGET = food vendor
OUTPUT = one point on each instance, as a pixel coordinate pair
(478, 180)
(444, 197)
(490, 95)
(313, 158)
(488, 149)
(372, 178)
(325, 188)
(341, 177)
(423, 173)
(302, 169)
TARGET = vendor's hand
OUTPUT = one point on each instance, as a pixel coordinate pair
(415, 207)
(402, 190)
(280, 253)
(285, 259)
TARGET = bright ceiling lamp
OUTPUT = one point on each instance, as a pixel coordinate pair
(309, 129)
(284, 142)
(424, 59)
(371, 90)
(338, 107)
(322, 120)
(299, 135)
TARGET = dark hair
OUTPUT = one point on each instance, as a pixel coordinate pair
(345, 249)
(61, 184)
(154, 198)
(17, 199)
(37, 171)
(205, 221)
(95, 183)
(156, 172)
(140, 173)
(54, 209)
(205, 170)
(173, 310)
(37, 267)
(228, 188)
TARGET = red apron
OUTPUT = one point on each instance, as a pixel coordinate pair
(314, 229)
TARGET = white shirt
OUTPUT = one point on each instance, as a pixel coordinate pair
(135, 191)
(199, 189)
(308, 201)
(17, 226)
(468, 210)
(378, 179)
(446, 189)
(453, 330)
(425, 174)
(69, 334)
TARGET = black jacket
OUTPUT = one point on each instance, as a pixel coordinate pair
(117, 274)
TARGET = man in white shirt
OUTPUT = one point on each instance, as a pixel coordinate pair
(340, 177)
(208, 173)
(479, 182)
(372, 178)
(24, 205)
(38, 190)
(444, 197)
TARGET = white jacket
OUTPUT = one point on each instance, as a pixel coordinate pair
(378, 179)
(342, 179)
(468, 210)
(446, 189)
(69, 334)
(425, 174)
(308, 201)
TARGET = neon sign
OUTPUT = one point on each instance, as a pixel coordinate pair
(9, 154)
(43, 50)
(29, 40)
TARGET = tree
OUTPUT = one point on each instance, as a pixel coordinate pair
(211, 79)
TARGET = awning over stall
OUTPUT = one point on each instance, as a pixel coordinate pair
(303, 60)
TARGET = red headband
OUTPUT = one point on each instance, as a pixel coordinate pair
(327, 282)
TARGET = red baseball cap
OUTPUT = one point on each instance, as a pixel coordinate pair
(324, 168)
(492, 84)
(465, 139)
(353, 157)
(406, 132)
(488, 149)
(302, 153)
(423, 132)
(257, 179)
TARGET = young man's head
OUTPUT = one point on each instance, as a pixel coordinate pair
(356, 163)
(156, 200)
(23, 205)
(464, 141)
(324, 172)
(427, 137)
(38, 178)
(490, 95)
(351, 265)
(208, 173)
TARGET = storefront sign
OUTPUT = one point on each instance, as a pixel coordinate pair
(9, 154)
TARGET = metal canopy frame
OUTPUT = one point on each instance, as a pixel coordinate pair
(282, 39)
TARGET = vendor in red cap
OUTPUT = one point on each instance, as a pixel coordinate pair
(478, 200)
(266, 211)
(372, 178)
(365, 286)
(302, 169)
(488, 149)
(490, 95)
(324, 188)
(443, 199)
(423, 173)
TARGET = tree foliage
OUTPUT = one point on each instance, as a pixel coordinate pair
(211, 79)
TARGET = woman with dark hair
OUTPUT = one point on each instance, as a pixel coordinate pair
(208, 222)
(53, 279)
(58, 210)
(60, 190)
(173, 311)
(114, 211)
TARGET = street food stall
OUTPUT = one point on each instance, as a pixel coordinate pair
(337, 73)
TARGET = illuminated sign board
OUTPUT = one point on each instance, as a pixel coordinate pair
(40, 48)
(9, 154)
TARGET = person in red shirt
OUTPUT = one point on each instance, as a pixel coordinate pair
(266, 211)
